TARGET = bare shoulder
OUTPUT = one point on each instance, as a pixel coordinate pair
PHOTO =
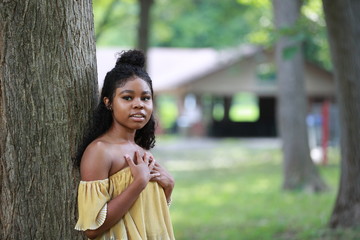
(95, 162)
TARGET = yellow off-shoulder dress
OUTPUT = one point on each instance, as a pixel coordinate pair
(147, 219)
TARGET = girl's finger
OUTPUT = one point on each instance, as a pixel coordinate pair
(152, 165)
(138, 157)
(145, 159)
(154, 175)
(129, 160)
(149, 160)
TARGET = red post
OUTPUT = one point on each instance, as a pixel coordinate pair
(325, 130)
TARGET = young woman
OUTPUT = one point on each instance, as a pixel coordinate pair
(124, 193)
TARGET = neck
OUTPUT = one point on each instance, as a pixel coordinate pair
(117, 133)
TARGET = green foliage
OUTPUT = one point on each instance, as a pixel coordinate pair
(289, 52)
(218, 110)
(316, 45)
(266, 73)
(311, 31)
(244, 108)
(201, 23)
(211, 23)
(231, 189)
(115, 22)
(261, 22)
(167, 110)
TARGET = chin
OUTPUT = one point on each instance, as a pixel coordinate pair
(138, 127)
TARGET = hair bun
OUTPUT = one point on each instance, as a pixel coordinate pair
(131, 57)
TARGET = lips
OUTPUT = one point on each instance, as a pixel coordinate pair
(138, 116)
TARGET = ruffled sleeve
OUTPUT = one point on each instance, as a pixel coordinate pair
(92, 204)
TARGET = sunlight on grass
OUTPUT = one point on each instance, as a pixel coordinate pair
(231, 189)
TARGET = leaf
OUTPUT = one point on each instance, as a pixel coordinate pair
(289, 52)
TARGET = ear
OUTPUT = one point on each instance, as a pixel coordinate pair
(107, 102)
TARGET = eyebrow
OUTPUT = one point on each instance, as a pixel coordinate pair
(131, 91)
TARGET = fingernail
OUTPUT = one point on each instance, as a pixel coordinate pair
(127, 156)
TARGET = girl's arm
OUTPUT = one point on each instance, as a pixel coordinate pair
(94, 167)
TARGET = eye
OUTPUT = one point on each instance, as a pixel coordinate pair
(127, 98)
(146, 98)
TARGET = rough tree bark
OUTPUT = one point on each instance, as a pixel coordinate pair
(299, 170)
(342, 18)
(47, 90)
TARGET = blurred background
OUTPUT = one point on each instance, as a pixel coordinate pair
(213, 66)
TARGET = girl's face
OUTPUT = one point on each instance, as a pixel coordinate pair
(132, 104)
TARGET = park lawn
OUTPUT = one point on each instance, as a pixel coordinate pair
(232, 191)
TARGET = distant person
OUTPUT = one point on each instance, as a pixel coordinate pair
(124, 193)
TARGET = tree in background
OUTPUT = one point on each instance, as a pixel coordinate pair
(342, 18)
(116, 22)
(110, 15)
(299, 170)
(47, 92)
(144, 25)
(105, 21)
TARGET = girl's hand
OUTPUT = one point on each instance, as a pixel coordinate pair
(164, 179)
(142, 170)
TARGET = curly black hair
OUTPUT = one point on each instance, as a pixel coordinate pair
(128, 65)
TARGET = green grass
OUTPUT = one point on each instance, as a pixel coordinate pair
(231, 189)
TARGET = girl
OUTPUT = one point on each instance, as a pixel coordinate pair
(124, 193)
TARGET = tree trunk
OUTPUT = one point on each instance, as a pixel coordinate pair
(299, 170)
(342, 18)
(47, 90)
(144, 24)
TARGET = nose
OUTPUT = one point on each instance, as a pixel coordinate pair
(138, 103)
